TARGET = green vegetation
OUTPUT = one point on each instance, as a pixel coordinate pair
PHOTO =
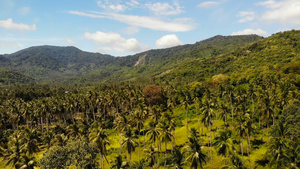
(238, 108)
(59, 65)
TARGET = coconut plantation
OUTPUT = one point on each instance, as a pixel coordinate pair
(229, 102)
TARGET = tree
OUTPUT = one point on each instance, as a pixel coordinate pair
(207, 115)
(15, 149)
(154, 133)
(177, 158)
(150, 157)
(118, 163)
(31, 141)
(153, 95)
(224, 143)
(185, 102)
(99, 137)
(26, 162)
(129, 142)
(165, 136)
(196, 157)
(277, 153)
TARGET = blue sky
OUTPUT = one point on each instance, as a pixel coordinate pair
(125, 27)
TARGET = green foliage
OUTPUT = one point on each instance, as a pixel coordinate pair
(77, 153)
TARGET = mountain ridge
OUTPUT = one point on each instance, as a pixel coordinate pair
(55, 64)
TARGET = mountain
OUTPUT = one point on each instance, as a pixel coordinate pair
(219, 54)
(50, 63)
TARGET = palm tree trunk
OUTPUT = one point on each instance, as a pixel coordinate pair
(42, 124)
(252, 106)
(242, 147)
(231, 108)
(129, 154)
(47, 124)
(93, 110)
(248, 149)
(211, 153)
(139, 144)
(187, 122)
(158, 154)
(166, 155)
(120, 142)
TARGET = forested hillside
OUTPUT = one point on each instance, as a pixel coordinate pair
(52, 64)
(238, 108)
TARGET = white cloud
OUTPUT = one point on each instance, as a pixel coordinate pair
(114, 6)
(71, 42)
(246, 16)
(269, 4)
(114, 41)
(9, 24)
(286, 12)
(85, 14)
(251, 32)
(25, 10)
(133, 3)
(164, 8)
(208, 4)
(168, 41)
(176, 25)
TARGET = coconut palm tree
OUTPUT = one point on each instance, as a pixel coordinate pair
(26, 162)
(185, 102)
(277, 153)
(177, 158)
(138, 121)
(154, 134)
(15, 149)
(150, 156)
(31, 141)
(118, 163)
(224, 143)
(236, 163)
(207, 115)
(129, 143)
(196, 157)
(99, 137)
(165, 136)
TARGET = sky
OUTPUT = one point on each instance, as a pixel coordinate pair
(126, 27)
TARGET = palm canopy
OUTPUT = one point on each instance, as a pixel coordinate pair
(196, 156)
(224, 143)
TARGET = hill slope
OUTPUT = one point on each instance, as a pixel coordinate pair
(66, 64)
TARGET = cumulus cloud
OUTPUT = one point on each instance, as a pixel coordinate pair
(9, 24)
(251, 32)
(246, 16)
(114, 41)
(208, 4)
(168, 41)
(175, 25)
(164, 8)
(285, 11)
